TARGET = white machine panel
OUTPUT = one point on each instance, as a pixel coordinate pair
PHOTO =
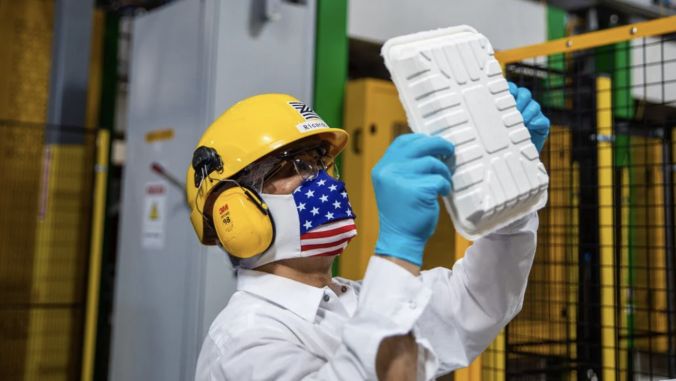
(451, 86)
(271, 57)
(191, 60)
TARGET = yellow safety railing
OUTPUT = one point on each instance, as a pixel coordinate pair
(96, 249)
(613, 353)
(589, 40)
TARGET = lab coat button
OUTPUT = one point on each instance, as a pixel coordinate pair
(343, 289)
(326, 298)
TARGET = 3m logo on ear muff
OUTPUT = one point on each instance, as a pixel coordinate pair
(224, 212)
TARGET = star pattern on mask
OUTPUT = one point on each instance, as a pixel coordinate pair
(321, 201)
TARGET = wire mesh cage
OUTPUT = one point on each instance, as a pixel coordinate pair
(601, 299)
(46, 204)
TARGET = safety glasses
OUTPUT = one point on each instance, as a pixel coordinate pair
(308, 167)
(307, 162)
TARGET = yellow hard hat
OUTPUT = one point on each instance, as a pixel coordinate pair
(246, 132)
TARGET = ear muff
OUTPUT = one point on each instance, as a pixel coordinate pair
(243, 222)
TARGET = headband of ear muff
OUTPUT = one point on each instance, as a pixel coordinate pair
(243, 222)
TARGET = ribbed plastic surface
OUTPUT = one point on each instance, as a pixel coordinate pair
(451, 86)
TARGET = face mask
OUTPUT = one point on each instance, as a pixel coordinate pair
(315, 220)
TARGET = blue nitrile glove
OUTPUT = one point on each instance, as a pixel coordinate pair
(536, 123)
(407, 181)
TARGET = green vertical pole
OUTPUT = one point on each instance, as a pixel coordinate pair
(623, 102)
(556, 28)
(331, 64)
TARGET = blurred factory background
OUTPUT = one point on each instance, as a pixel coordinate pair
(102, 103)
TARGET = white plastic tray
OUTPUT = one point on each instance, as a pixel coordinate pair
(451, 86)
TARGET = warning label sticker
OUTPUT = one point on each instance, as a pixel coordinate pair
(154, 216)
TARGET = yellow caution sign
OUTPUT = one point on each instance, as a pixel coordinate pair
(153, 212)
(153, 234)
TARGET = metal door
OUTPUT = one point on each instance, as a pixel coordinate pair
(191, 60)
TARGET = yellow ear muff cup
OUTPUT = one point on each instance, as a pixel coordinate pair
(242, 226)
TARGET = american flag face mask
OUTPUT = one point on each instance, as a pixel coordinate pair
(315, 220)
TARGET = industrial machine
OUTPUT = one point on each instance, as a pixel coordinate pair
(191, 61)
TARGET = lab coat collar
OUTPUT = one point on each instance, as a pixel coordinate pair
(301, 299)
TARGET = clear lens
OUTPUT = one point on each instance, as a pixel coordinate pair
(309, 166)
(306, 166)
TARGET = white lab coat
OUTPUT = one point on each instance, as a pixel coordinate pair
(277, 329)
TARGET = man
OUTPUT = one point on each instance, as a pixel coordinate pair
(263, 186)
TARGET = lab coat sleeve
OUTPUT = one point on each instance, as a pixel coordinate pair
(391, 301)
(473, 302)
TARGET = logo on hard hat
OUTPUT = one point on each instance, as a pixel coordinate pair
(305, 111)
(313, 121)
